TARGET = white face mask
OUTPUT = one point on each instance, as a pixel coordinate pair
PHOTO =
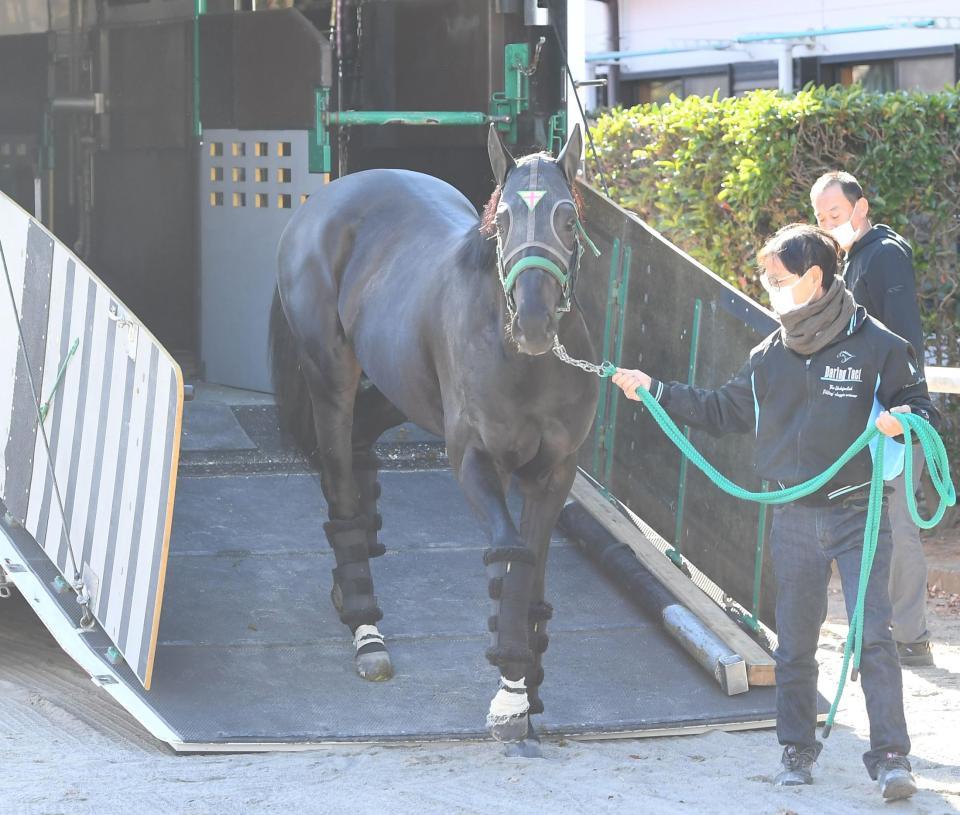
(844, 234)
(781, 300)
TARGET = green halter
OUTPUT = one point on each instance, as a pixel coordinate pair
(509, 278)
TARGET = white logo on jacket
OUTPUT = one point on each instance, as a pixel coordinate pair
(842, 382)
(832, 374)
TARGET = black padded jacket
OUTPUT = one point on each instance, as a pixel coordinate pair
(879, 272)
(806, 410)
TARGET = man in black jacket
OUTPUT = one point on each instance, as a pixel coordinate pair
(879, 272)
(807, 392)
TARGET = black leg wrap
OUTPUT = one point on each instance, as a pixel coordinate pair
(352, 594)
(510, 570)
(539, 614)
(508, 554)
(365, 468)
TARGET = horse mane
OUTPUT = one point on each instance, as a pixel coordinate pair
(479, 247)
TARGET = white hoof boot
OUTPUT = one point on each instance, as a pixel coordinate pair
(372, 660)
(507, 719)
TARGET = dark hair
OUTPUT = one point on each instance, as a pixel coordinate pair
(849, 185)
(800, 246)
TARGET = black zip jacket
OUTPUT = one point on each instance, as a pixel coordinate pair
(879, 272)
(806, 410)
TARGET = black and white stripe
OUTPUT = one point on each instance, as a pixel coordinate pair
(112, 428)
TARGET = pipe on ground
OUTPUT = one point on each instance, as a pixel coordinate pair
(620, 564)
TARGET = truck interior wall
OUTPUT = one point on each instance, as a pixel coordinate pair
(144, 243)
(23, 86)
(626, 451)
(440, 55)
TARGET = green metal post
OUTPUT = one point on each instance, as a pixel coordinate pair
(620, 302)
(319, 154)
(753, 620)
(447, 118)
(599, 430)
(200, 7)
(516, 95)
(558, 132)
(691, 377)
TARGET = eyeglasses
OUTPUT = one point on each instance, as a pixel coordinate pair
(776, 284)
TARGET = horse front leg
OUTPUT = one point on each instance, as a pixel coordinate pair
(510, 569)
(543, 497)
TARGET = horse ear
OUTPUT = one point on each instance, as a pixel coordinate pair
(569, 158)
(500, 159)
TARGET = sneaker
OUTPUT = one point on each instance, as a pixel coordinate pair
(894, 777)
(915, 654)
(797, 766)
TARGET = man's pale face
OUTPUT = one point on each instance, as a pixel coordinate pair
(832, 208)
(808, 286)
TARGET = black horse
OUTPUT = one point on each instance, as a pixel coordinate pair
(395, 302)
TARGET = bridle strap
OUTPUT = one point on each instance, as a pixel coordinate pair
(534, 262)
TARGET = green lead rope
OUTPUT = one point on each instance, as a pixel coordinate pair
(937, 464)
(589, 242)
(45, 407)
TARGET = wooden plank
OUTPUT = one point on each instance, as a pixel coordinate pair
(942, 380)
(760, 665)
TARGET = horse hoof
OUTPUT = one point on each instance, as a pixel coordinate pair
(509, 728)
(375, 667)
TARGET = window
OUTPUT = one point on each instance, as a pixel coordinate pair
(660, 90)
(706, 85)
(878, 77)
(926, 74)
(751, 76)
(906, 73)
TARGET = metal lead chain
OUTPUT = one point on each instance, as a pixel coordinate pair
(603, 370)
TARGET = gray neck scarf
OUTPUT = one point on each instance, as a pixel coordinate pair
(817, 324)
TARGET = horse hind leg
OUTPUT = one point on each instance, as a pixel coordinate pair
(373, 415)
(333, 395)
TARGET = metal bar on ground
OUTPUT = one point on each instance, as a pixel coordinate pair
(760, 665)
(619, 563)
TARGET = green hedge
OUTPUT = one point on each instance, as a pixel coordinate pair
(718, 176)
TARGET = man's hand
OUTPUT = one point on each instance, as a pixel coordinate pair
(889, 426)
(629, 381)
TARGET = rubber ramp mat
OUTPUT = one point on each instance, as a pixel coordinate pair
(251, 649)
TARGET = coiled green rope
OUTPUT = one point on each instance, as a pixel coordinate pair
(937, 464)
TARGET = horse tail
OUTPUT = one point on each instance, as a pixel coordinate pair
(294, 406)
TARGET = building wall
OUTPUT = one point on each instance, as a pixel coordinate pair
(652, 25)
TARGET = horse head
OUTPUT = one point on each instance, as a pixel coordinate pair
(538, 246)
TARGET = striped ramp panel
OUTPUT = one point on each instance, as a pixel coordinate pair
(113, 429)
